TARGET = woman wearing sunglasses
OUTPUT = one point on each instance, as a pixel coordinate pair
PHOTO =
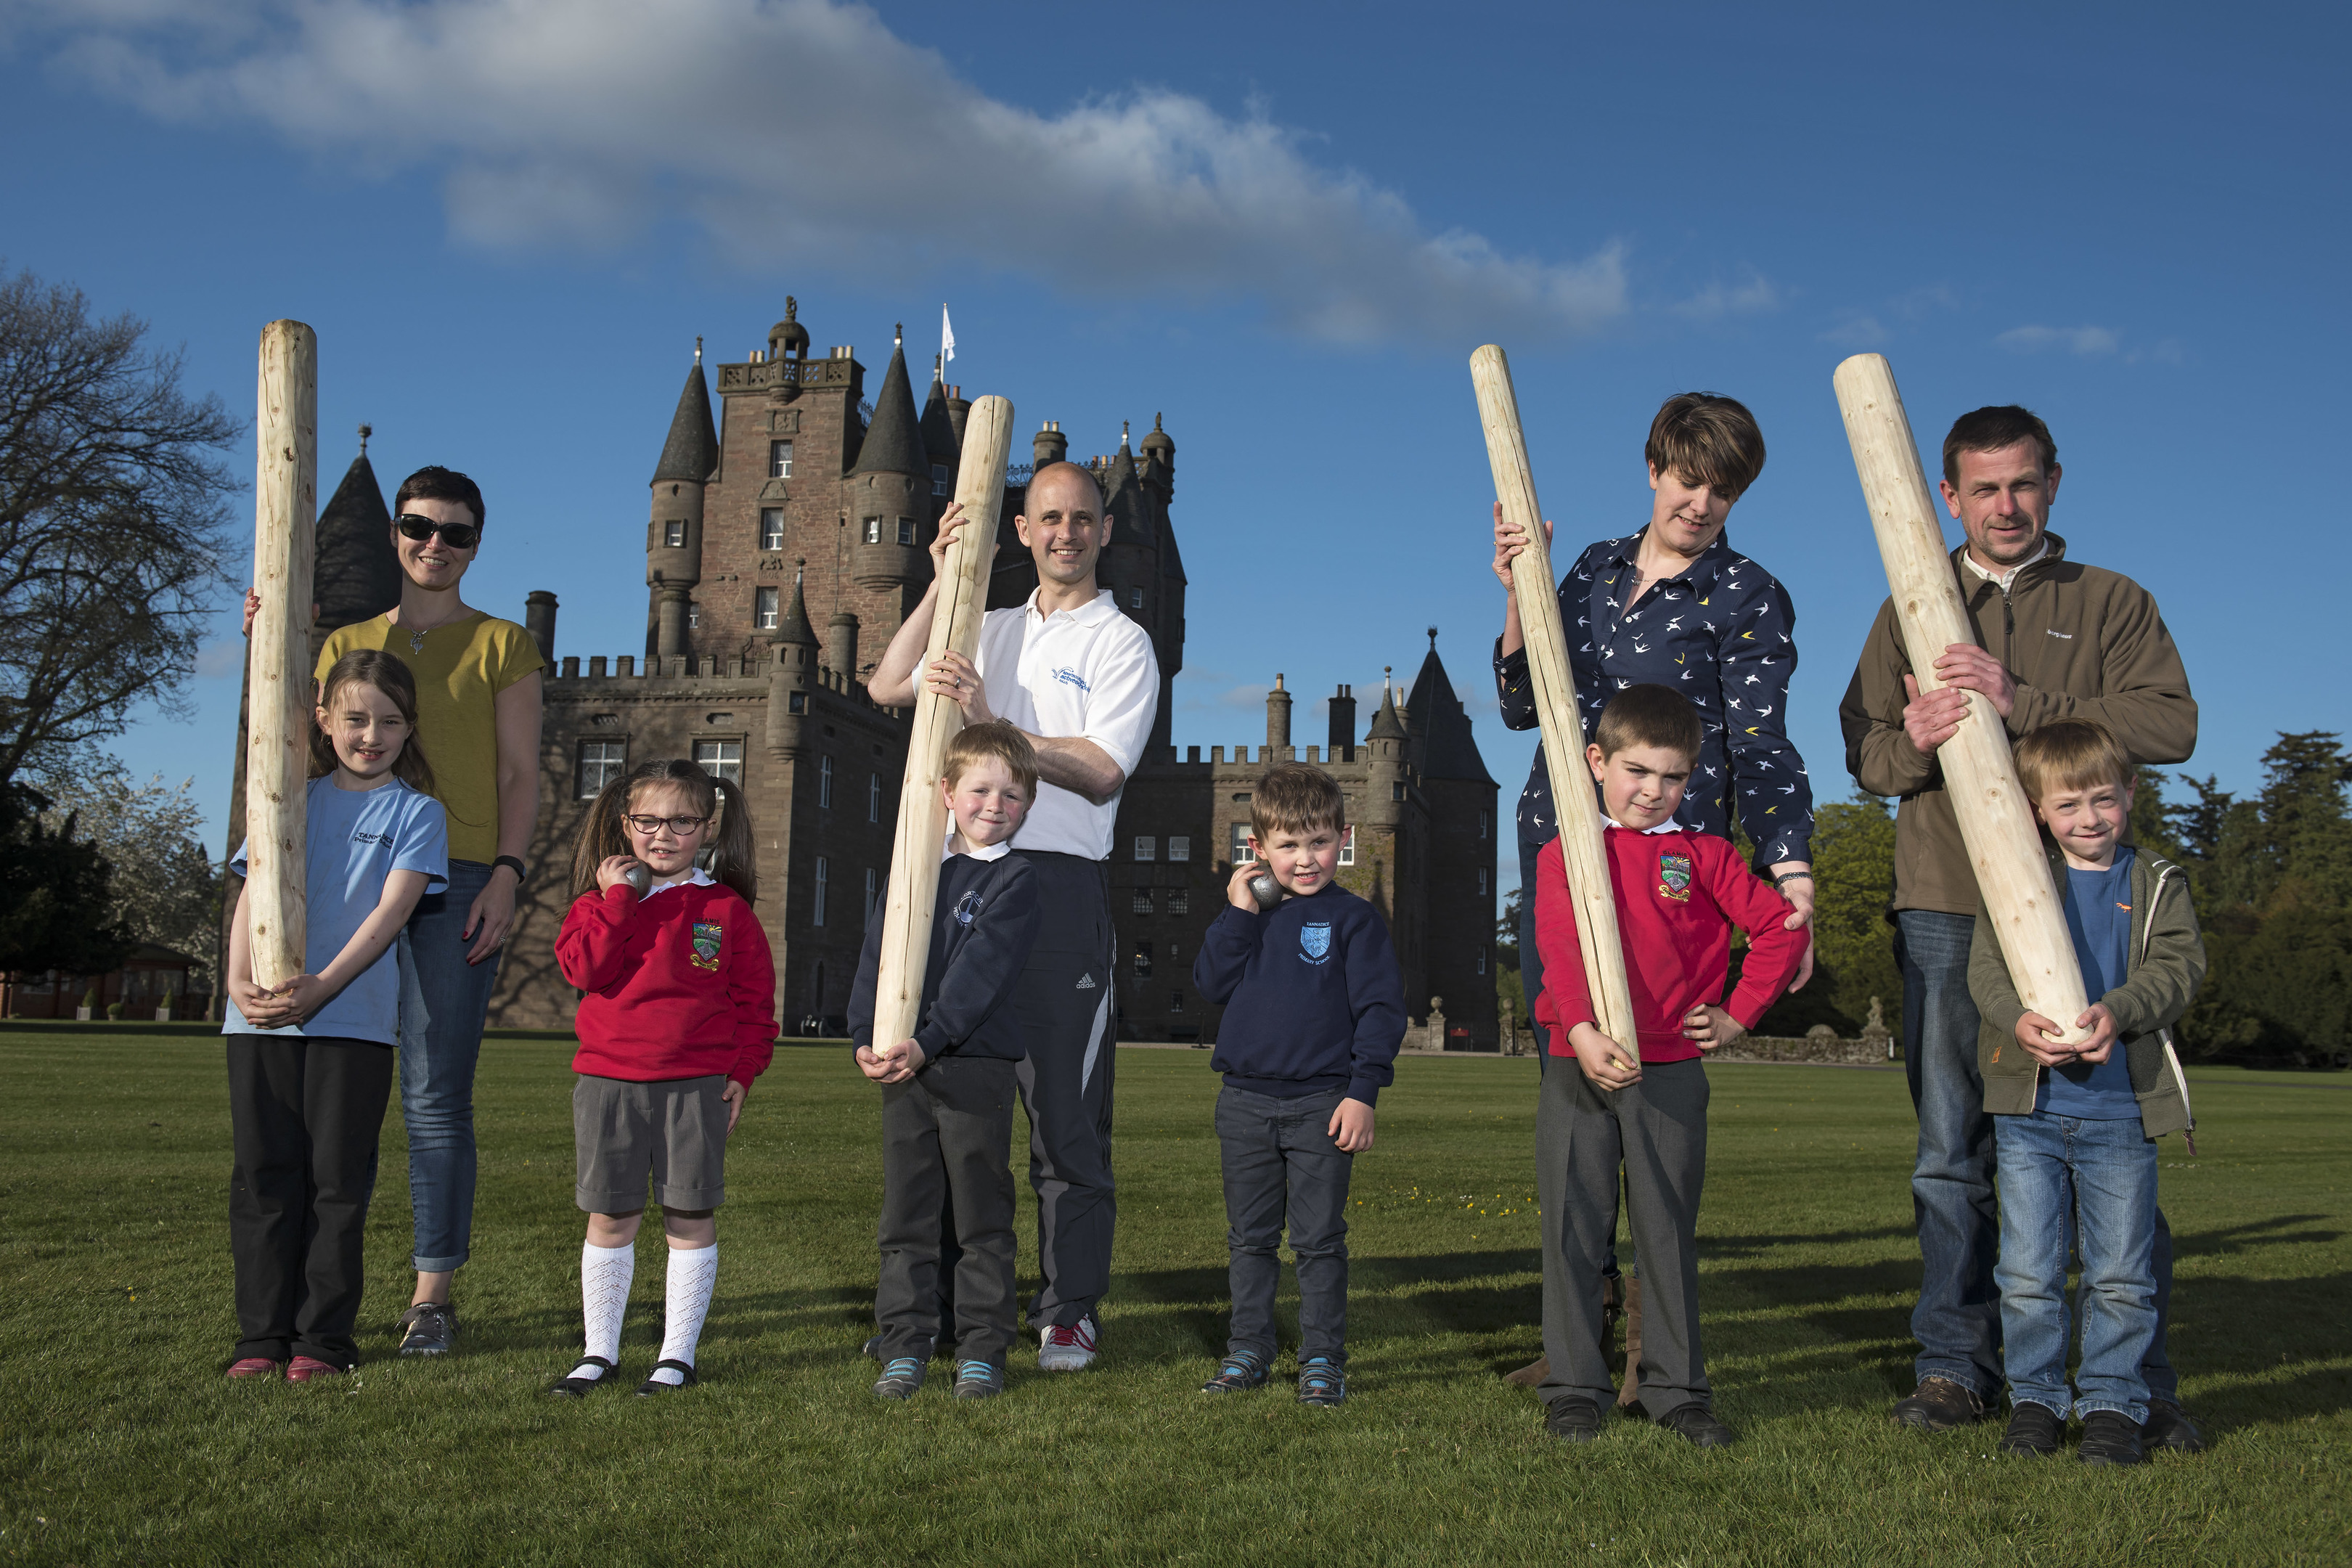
(477, 681)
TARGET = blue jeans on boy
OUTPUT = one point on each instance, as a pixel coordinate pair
(2102, 1173)
(443, 1001)
(1283, 1170)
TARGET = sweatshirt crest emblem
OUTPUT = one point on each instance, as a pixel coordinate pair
(706, 935)
(1315, 942)
(1674, 877)
(967, 908)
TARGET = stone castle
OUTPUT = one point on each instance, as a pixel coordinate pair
(798, 504)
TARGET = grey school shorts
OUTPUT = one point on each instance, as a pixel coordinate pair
(674, 1131)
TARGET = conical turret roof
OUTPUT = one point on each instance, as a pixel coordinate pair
(357, 575)
(938, 428)
(893, 442)
(692, 449)
(1448, 749)
(1386, 725)
(793, 627)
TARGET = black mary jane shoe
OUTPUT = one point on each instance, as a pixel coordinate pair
(578, 1387)
(653, 1385)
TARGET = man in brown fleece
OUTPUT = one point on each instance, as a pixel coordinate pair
(2055, 640)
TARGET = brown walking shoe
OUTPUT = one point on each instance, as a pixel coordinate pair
(1938, 1404)
(1537, 1371)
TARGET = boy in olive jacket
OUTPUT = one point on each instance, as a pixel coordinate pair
(2076, 1125)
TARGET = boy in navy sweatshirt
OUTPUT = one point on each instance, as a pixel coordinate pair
(1313, 1013)
(948, 1092)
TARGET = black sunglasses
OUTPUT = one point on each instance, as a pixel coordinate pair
(456, 535)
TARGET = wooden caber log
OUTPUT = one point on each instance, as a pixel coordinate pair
(956, 614)
(1555, 691)
(278, 733)
(1996, 819)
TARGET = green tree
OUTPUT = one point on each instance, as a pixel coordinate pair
(57, 902)
(165, 887)
(1854, 945)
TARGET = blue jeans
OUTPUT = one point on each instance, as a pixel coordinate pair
(2101, 1175)
(443, 1001)
(1958, 1322)
(1283, 1170)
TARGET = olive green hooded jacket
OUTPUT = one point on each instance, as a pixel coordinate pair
(2167, 960)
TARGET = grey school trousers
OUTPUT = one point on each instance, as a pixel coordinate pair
(1656, 1132)
(946, 1231)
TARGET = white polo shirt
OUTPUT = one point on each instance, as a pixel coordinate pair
(1087, 673)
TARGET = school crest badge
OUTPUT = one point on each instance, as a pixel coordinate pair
(1315, 942)
(706, 935)
(1674, 877)
(967, 908)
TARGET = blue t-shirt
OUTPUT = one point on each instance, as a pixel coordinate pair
(355, 840)
(2098, 917)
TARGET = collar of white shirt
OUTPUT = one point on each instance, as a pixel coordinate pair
(2003, 579)
(701, 878)
(996, 851)
(1103, 604)
(1668, 826)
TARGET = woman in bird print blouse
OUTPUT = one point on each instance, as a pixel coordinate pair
(1674, 604)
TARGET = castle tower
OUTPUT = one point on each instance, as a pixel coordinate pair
(1159, 463)
(942, 440)
(1461, 833)
(673, 535)
(888, 496)
(357, 573)
(791, 678)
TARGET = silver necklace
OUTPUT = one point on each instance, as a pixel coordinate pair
(417, 638)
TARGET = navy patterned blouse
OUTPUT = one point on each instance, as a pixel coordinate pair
(1719, 633)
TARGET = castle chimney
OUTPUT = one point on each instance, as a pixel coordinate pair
(841, 645)
(539, 620)
(1050, 446)
(1277, 718)
(1343, 724)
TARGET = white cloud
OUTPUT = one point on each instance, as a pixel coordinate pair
(1753, 294)
(2085, 340)
(805, 130)
(1856, 333)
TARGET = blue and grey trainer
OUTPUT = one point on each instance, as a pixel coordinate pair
(979, 1380)
(1237, 1373)
(899, 1378)
(1321, 1382)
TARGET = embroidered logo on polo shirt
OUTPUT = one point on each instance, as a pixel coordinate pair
(1069, 677)
(966, 908)
(1674, 877)
(707, 936)
(1315, 942)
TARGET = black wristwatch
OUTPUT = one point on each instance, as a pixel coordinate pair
(521, 871)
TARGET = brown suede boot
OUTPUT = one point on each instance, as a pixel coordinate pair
(1612, 1307)
(1631, 1393)
(1532, 1375)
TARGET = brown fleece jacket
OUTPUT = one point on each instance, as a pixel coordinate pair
(2080, 641)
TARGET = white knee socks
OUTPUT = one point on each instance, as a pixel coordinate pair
(606, 1273)
(692, 1275)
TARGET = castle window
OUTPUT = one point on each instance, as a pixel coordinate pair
(1142, 901)
(600, 762)
(796, 702)
(764, 608)
(693, 613)
(1135, 598)
(1143, 961)
(938, 478)
(874, 895)
(824, 782)
(1482, 824)
(772, 528)
(1482, 882)
(1482, 961)
(873, 531)
(1180, 846)
(1179, 900)
(1175, 1001)
(1237, 849)
(816, 910)
(1396, 790)
(720, 759)
(674, 533)
(1145, 846)
(1347, 847)
(906, 530)
(873, 798)
(780, 459)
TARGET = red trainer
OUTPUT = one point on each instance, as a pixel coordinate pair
(253, 1366)
(305, 1368)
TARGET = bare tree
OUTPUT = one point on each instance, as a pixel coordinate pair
(113, 519)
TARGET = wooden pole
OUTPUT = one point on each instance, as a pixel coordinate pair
(956, 614)
(1555, 686)
(278, 738)
(1996, 820)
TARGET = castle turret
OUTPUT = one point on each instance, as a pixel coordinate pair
(841, 645)
(1159, 463)
(958, 410)
(792, 675)
(357, 577)
(1384, 748)
(788, 340)
(942, 440)
(1277, 721)
(673, 536)
(887, 495)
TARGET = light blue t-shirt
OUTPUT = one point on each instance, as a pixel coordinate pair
(2098, 917)
(355, 840)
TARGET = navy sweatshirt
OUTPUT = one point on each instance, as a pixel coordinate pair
(1312, 993)
(986, 919)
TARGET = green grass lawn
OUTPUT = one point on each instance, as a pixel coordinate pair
(121, 1442)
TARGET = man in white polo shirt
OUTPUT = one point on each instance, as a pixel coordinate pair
(1080, 679)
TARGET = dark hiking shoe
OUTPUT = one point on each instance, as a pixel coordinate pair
(2033, 1430)
(1572, 1418)
(899, 1379)
(1321, 1382)
(1237, 1373)
(1938, 1404)
(1698, 1423)
(429, 1327)
(2111, 1437)
(2168, 1426)
(979, 1380)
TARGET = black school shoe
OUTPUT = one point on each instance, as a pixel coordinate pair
(569, 1387)
(2111, 1437)
(1938, 1404)
(1572, 1418)
(2168, 1426)
(1698, 1423)
(653, 1387)
(2034, 1430)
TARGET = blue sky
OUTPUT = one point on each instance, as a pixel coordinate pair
(1285, 228)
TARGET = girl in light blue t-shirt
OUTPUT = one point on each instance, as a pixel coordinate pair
(310, 1055)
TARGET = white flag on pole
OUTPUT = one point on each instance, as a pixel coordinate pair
(947, 337)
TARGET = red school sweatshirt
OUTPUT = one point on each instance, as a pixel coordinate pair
(679, 983)
(1678, 895)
